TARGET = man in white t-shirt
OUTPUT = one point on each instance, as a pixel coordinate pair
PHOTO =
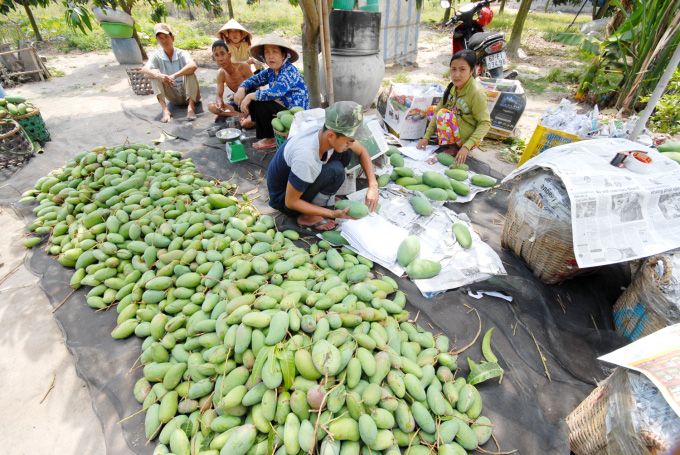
(309, 168)
(172, 73)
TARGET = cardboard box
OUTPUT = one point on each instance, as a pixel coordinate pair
(403, 107)
(507, 101)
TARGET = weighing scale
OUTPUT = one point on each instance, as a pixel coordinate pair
(233, 146)
(235, 151)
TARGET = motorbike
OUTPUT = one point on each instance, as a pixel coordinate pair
(488, 46)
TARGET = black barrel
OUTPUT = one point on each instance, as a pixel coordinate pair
(354, 32)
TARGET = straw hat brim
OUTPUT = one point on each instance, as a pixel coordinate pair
(257, 51)
(233, 25)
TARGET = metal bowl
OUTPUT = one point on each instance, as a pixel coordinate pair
(228, 135)
(232, 122)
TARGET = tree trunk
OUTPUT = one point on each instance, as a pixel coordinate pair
(547, 5)
(594, 67)
(127, 7)
(502, 8)
(36, 30)
(447, 15)
(601, 12)
(516, 34)
(310, 50)
(231, 9)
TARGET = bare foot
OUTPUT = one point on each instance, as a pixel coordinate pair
(247, 122)
(191, 115)
(265, 144)
(316, 222)
(166, 116)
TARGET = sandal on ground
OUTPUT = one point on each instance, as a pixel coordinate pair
(314, 226)
(263, 145)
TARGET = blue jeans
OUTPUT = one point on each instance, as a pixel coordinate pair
(328, 182)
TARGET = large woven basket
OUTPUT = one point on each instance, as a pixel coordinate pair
(140, 84)
(280, 138)
(15, 145)
(644, 307)
(588, 422)
(543, 242)
(34, 125)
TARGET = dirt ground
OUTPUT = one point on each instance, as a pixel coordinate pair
(47, 408)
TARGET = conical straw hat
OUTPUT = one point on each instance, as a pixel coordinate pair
(257, 51)
(233, 25)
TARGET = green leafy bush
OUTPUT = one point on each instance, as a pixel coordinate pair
(666, 116)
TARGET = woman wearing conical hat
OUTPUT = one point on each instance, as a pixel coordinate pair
(286, 88)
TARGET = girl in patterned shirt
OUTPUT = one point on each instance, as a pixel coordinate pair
(286, 89)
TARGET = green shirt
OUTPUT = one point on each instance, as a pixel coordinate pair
(472, 111)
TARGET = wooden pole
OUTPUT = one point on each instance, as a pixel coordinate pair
(329, 66)
(322, 40)
(656, 95)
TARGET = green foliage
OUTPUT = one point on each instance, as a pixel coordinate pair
(53, 27)
(514, 147)
(18, 5)
(402, 77)
(77, 17)
(639, 50)
(533, 85)
(666, 116)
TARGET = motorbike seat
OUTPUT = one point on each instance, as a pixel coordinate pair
(484, 38)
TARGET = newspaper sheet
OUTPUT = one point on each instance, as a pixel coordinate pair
(657, 356)
(428, 162)
(460, 266)
(617, 215)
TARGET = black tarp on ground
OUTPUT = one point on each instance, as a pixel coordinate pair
(527, 408)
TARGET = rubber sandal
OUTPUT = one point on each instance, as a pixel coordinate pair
(258, 146)
(313, 227)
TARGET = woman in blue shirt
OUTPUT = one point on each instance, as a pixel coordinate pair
(286, 89)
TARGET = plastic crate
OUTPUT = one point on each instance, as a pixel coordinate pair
(140, 84)
(545, 138)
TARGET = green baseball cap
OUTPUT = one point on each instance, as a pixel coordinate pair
(347, 118)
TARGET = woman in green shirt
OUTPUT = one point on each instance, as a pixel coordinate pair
(467, 100)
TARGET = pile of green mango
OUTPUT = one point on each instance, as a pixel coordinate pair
(433, 185)
(252, 345)
(14, 106)
(284, 119)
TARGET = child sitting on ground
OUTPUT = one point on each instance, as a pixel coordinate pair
(229, 75)
(238, 41)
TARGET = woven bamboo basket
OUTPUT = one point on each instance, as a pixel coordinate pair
(644, 307)
(280, 138)
(15, 145)
(543, 242)
(588, 422)
(141, 85)
(34, 125)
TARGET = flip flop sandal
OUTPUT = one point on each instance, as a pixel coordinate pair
(313, 227)
(259, 146)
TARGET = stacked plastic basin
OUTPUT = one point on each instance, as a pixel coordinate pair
(118, 25)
